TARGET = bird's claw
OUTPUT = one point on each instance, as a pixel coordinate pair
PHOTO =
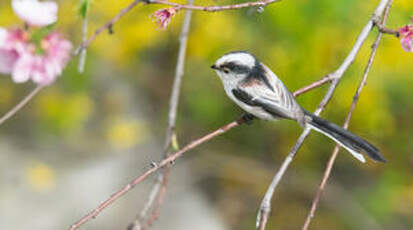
(248, 118)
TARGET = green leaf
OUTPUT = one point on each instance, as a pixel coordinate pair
(84, 8)
(40, 33)
(174, 142)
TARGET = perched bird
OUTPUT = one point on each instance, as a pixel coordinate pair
(257, 90)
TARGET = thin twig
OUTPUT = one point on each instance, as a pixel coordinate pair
(153, 169)
(21, 104)
(107, 25)
(313, 85)
(215, 8)
(265, 206)
(171, 134)
(332, 159)
(386, 30)
(157, 166)
(383, 29)
(158, 191)
(137, 223)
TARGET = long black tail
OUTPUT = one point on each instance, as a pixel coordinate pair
(354, 144)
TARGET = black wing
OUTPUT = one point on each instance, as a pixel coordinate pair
(257, 102)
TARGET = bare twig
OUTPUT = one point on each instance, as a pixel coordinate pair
(21, 104)
(313, 85)
(332, 159)
(171, 134)
(383, 29)
(215, 8)
(153, 169)
(137, 223)
(158, 191)
(107, 25)
(386, 30)
(157, 166)
(265, 206)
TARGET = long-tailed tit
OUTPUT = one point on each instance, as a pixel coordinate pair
(257, 90)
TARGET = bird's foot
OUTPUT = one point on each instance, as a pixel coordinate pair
(248, 118)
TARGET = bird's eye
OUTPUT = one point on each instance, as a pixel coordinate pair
(226, 70)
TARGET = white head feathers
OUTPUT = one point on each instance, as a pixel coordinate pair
(238, 57)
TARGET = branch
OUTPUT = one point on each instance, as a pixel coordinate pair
(156, 167)
(265, 206)
(313, 85)
(214, 8)
(108, 25)
(171, 134)
(21, 104)
(158, 191)
(383, 29)
(331, 161)
(171, 158)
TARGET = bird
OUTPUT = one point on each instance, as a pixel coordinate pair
(257, 90)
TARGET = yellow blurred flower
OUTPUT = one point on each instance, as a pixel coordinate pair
(123, 134)
(64, 112)
(40, 177)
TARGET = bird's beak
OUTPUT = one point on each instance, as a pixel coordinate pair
(214, 66)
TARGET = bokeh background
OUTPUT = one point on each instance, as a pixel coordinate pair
(88, 134)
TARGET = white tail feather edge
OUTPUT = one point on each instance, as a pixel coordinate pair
(357, 155)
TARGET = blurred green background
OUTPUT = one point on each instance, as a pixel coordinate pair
(300, 40)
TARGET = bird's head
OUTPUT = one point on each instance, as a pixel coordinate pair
(235, 65)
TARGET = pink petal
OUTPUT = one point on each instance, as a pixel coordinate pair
(58, 53)
(3, 36)
(15, 40)
(405, 29)
(164, 16)
(50, 65)
(8, 50)
(34, 12)
(8, 59)
(23, 68)
(42, 74)
(407, 42)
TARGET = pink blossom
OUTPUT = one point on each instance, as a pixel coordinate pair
(34, 12)
(407, 43)
(7, 58)
(406, 30)
(13, 39)
(50, 65)
(24, 61)
(406, 37)
(164, 16)
(12, 44)
(43, 68)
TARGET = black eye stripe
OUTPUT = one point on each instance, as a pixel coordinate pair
(231, 65)
(236, 67)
